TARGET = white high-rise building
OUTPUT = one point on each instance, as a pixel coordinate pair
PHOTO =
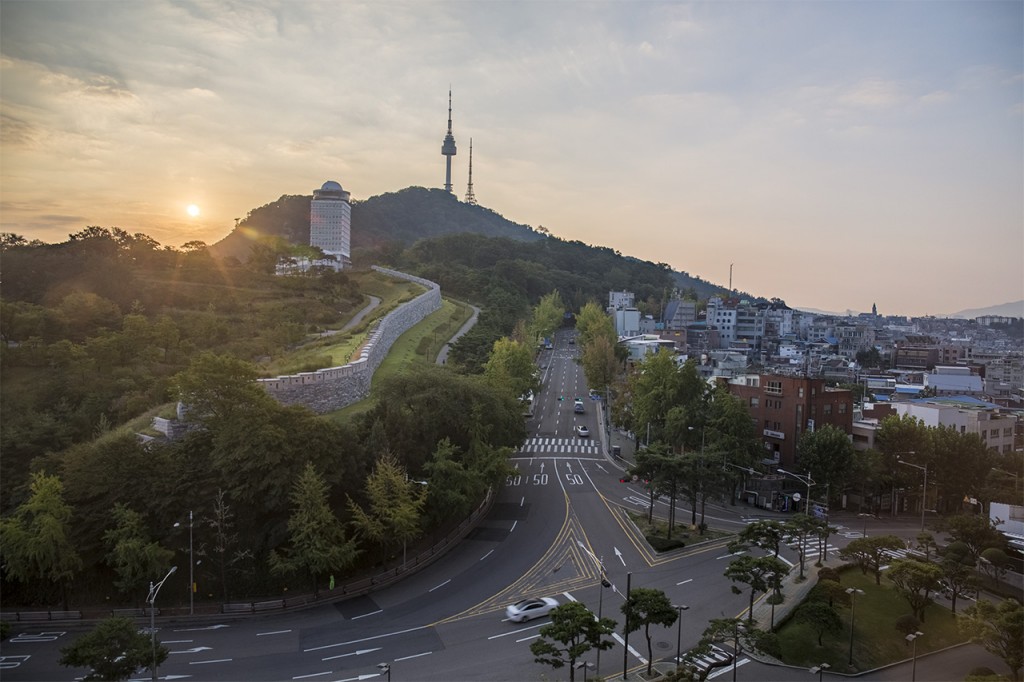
(330, 224)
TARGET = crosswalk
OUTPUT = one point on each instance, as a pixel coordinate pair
(556, 446)
(812, 548)
(903, 554)
(702, 663)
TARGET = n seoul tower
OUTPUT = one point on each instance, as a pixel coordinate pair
(448, 148)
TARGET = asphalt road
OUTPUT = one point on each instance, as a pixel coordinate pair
(560, 517)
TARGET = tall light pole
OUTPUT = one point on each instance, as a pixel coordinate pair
(600, 600)
(853, 592)
(924, 488)
(679, 632)
(191, 568)
(1008, 473)
(803, 478)
(913, 638)
(892, 511)
(151, 600)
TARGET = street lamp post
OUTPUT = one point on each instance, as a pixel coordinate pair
(913, 638)
(892, 510)
(853, 592)
(803, 478)
(679, 631)
(1008, 473)
(385, 668)
(924, 488)
(191, 567)
(151, 600)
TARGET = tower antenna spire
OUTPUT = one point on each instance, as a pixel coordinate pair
(448, 148)
(470, 197)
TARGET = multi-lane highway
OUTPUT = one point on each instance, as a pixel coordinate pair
(560, 516)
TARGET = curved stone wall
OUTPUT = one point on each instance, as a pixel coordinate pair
(333, 388)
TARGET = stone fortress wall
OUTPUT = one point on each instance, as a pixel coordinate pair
(333, 388)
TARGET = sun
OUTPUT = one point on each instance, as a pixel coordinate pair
(192, 210)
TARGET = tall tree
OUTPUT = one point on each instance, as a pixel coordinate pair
(870, 553)
(591, 322)
(655, 386)
(759, 573)
(827, 454)
(225, 540)
(395, 506)
(978, 533)
(600, 365)
(821, 617)
(999, 628)
(216, 387)
(510, 368)
(547, 315)
(764, 533)
(113, 650)
(915, 581)
(577, 630)
(318, 543)
(36, 542)
(646, 607)
(134, 557)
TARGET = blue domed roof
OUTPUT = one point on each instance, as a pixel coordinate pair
(331, 186)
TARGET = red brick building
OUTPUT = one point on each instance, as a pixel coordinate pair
(784, 408)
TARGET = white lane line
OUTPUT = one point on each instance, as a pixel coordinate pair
(526, 639)
(302, 677)
(177, 641)
(509, 530)
(366, 639)
(516, 632)
(728, 668)
(688, 580)
(216, 660)
(567, 596)
(725, 556)
(275, 632)
(431, 589)
(406, 658)
(633, 651)
(371, 613)
(784, 560)
(521, 503)
(481, 558)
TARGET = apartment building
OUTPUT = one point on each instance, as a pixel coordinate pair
(966, 414)
(785, 407)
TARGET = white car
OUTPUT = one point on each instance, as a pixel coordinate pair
(582, 431)
(528, 609)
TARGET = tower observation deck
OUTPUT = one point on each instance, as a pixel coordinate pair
(448, 149)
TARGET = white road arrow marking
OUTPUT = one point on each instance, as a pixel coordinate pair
(208, 627)
(193, 650)
(598, 466)
(542, 467)
(619, 554)
(353, 653)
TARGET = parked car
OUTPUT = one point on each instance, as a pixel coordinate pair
(582, 431)
(528, 609)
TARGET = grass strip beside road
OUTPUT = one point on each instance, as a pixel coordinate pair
(876, 641)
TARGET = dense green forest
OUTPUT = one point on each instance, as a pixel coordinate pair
(109, 326)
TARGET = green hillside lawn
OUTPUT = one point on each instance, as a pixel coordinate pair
(876, 641)
(320, 351)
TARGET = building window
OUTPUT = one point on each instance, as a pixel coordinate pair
(755, 402)
(774, 388)
(842, 408)
(827, 410)
(800, 392)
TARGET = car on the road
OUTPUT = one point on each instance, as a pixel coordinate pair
(577, 406)
(582, 431)
(528, 609)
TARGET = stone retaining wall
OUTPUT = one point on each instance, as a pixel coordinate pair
(333, 388)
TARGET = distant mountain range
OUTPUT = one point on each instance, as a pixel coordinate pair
(1015, 309)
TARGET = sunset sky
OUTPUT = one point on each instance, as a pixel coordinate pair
(839, 154)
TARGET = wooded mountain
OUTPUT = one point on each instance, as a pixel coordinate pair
(403, 218)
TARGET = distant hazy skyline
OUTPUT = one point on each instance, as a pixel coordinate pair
(839, 154)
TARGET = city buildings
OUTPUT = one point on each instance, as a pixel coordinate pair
(330, 225)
